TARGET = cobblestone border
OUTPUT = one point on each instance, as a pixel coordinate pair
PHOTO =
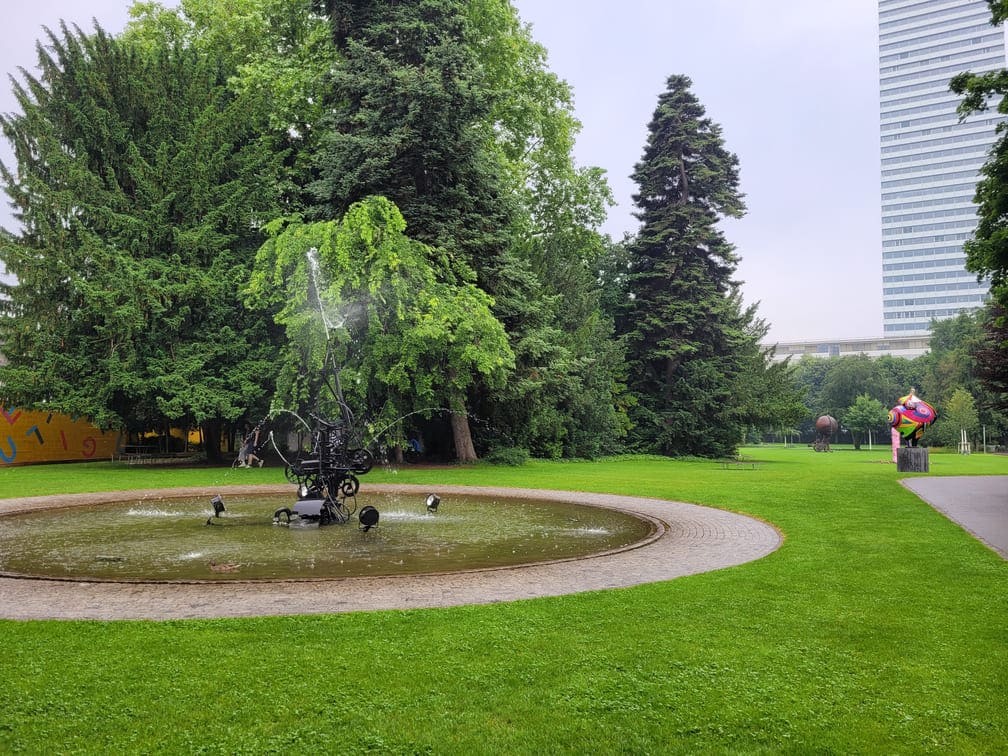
(695, 539)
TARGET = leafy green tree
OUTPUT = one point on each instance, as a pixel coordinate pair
(864, 416)
(950, 363)
(987, 251)
(809, 375)
(959, 413)
(401, 324)
(851, 376)
(682, 322)
(564, 396)
(139, 182)
(991, 367)
(765, 394)
(278, 51)
(447, 108)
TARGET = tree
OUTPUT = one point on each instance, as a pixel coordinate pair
(682, 321)
(958, 414)
(950, 363)
(987, 251)
(992, 372)
(408, 120)
(848, 378)
(865, 415)
(139, 182)
(564, 396)
(765, 394)
(278, 51)
(402, 325)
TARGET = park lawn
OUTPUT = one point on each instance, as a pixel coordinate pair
(878, 626)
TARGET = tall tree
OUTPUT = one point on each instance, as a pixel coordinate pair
(140, 181)
(682, 321)
(992, 371)
(408, 119)
(562, 399)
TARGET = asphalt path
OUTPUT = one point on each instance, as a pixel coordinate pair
(977, 503)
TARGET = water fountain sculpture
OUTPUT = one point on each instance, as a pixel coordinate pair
(326, 475)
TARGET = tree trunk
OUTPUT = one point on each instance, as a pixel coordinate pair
(211, 440)
(462, 434)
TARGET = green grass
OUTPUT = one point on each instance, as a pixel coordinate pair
(878, 627)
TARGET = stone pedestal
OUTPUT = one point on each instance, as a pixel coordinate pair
(912, 459)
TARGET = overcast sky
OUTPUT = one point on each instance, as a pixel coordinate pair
(793, 84)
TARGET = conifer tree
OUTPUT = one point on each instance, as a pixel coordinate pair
(139, 186)
(682, 322)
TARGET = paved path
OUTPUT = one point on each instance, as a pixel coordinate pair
(978, 503)
(690, 539)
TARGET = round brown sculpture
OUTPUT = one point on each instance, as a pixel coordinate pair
(825, 427)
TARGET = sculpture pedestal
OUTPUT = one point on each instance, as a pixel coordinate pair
(912, 459)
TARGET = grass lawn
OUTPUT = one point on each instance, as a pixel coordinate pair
(878, 627)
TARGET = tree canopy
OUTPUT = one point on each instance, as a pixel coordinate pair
(170, 182)
(140, 181)
(406, 334)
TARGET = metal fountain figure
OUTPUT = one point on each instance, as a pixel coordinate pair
(326, 476)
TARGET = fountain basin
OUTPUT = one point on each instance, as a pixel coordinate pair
(161, 537)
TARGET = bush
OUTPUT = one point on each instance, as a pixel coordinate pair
(507, 455)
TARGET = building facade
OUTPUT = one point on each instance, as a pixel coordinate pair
(895, 346)
(931, 161)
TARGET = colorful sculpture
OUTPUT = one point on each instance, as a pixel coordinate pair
(908, 420)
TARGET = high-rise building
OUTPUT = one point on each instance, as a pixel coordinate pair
(931, 161)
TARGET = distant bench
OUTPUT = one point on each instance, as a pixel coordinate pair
(739, 463)
(133, 454)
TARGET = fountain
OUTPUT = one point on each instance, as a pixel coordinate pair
(166, 539)
(326, 476)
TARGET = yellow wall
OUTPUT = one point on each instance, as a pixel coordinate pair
(27, 437)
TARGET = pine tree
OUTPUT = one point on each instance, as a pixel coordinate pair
(409, 122)
(682, 321)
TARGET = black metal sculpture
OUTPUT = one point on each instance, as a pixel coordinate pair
(327, 475)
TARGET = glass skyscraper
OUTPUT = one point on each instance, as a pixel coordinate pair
(931, 161)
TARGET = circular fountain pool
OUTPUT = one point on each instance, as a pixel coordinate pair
(169, 539)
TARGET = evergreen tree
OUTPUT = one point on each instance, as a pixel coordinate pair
(682, 321)
(139, 186)
(992, 371)
(409, 121)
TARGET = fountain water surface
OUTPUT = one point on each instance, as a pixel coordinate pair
(179, 539)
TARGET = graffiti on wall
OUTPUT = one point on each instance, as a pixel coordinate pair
(28, 437)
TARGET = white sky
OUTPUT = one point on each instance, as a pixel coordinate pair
(793, 83)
